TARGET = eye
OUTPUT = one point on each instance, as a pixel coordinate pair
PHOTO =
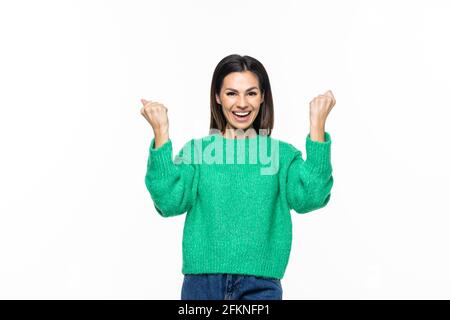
(233, 93)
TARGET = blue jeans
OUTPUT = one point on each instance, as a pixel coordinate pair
(230, 287)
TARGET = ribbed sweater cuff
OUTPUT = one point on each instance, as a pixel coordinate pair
(160, 162)
(318, 154)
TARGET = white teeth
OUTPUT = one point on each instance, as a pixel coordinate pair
(242, 113)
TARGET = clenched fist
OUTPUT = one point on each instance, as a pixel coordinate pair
(156, 115)
(320, 107)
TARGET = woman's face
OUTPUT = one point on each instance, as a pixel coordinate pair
(240, 98)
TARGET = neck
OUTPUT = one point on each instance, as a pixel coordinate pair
(233, 133)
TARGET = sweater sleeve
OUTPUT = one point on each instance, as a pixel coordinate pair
(309, 182)
(172, 184)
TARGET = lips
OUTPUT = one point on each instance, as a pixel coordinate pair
(240, 116)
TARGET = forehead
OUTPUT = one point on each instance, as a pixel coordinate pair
(240, 80)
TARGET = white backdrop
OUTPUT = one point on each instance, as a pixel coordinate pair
(76, 219)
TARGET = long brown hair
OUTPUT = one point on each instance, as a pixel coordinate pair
(237, 63)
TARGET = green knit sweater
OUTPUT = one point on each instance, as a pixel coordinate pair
(238, 195)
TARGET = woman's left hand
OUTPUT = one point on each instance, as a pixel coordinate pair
(320, 107)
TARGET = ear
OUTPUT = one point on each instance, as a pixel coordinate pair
(262, 97)
(217, 99)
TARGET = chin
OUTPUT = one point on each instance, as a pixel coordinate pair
(242, 126)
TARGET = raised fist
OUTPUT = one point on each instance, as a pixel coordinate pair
(156, 115)
(320, 107)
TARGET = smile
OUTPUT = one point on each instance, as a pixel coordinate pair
(241, 114)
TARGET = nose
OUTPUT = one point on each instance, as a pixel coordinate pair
(242, 102)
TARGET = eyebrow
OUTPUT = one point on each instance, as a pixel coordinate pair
(245, 90)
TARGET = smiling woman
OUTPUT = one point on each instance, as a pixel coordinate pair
(237, 234)
(241, 97)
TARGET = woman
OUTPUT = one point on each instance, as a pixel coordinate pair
(238, 232)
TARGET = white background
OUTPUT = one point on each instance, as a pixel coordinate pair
(76, 219)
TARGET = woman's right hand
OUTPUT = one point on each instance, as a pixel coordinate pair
(156, 114)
